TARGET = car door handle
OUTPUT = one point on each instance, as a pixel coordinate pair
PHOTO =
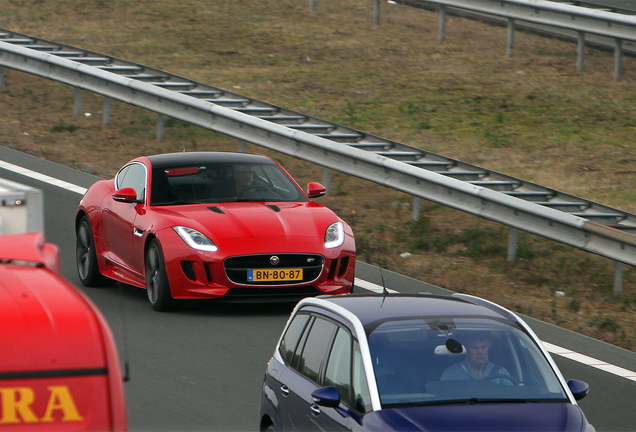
(315, 409)
(284, 390)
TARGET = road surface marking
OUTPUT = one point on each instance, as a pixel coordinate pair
(42, 177)
(590, 361)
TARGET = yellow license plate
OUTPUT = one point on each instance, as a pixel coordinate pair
(278, 275)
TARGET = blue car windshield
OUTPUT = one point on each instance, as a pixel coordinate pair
(445, 360)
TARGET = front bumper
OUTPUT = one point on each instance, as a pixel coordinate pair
(196, 274)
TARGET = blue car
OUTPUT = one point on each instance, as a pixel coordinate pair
(414, 363)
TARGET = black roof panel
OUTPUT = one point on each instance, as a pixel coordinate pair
(188, 158)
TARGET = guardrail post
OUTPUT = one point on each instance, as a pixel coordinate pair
(442, 23)
(161, 133)
(1, 77)
(416, 207)
(376, 12)
(510, 51)
(242, 146)
(108, 103)
(77, 102)
(618, 278)
(513, 241)
(312, 6)
(618, 58)
(326, 178)
(580, 52)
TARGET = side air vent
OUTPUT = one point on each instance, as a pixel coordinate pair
(188, 270)
(344, 264)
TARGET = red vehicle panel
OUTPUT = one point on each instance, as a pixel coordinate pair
(59, 368)
(207, 225)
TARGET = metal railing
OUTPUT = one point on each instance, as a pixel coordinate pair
(578, 20)
(513, 202)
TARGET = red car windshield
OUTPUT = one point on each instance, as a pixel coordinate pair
(222, 182)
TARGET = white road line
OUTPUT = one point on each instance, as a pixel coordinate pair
(553, 349)
(371, 286)
(590, 361)
(42, 177)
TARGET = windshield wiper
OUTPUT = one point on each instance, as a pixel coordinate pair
(258, 200)
(471, 401)
(480, 401)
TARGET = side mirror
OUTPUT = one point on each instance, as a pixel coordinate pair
(315, 190)
(326, 396)
(578, 388)
(126, 195)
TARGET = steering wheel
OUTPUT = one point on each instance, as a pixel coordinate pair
(502, 376)
(250, 187)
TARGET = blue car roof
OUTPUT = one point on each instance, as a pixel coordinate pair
(370, 308)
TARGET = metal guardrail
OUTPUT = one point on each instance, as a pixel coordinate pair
(519, 204)
(606, 5)
(581, 20)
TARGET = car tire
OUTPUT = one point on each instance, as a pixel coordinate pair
(157, 286)
(86, 257)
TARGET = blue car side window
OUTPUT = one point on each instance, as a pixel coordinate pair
(292, 336)
(316, 348)
(338, 372)
(362, 398)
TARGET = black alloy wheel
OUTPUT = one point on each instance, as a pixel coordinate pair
(157, 285)
(86, 257)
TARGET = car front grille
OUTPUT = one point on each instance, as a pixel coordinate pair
(236, 268)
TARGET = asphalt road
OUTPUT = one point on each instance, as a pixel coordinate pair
(201, 368)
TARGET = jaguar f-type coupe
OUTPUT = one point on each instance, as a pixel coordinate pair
(212, 225)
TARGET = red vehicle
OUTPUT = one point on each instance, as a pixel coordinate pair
(59, 368)
(210, 225)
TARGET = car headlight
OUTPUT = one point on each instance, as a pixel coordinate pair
(334, 236)
(195, 239)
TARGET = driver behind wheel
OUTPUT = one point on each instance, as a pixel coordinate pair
(476, 365)
(243, 176)
(239, 184)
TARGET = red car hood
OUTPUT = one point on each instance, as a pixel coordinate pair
(226, 221)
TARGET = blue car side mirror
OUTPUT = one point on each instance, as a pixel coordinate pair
(327, 397)
(578, 388)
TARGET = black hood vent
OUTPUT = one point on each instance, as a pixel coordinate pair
(215, 209)
(274, 207)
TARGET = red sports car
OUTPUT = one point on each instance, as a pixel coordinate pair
(206, 225)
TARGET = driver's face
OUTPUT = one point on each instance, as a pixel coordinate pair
(243, 174)
(478, 352)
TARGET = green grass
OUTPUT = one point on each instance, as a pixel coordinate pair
(62, 126)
